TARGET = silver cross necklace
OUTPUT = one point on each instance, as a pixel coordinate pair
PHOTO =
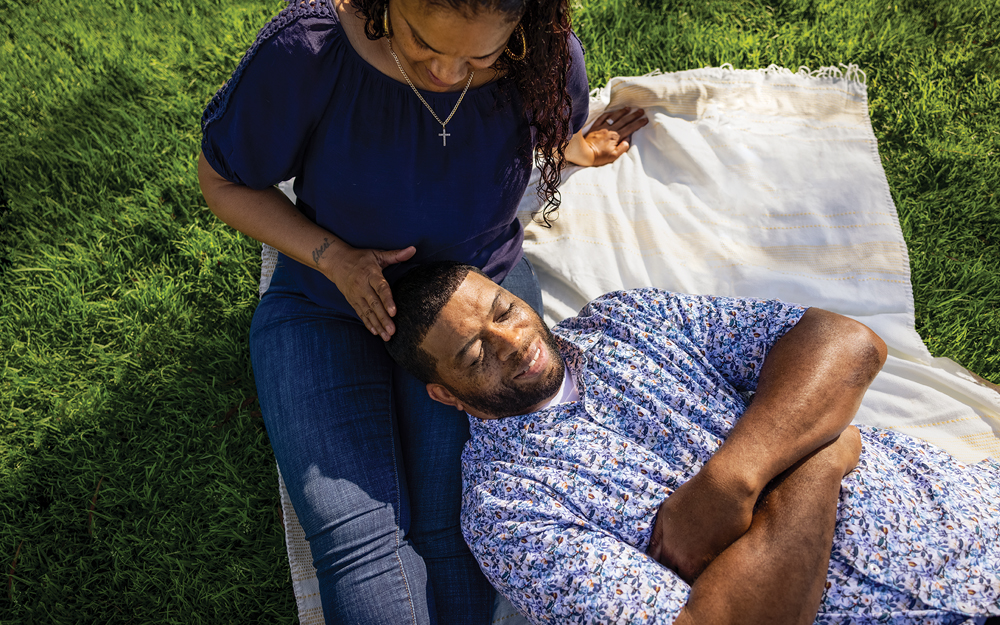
(444, 134)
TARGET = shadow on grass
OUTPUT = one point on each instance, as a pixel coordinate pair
(127, 494)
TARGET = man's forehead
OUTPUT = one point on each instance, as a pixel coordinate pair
(462, 317)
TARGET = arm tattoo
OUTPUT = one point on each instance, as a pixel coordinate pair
(318, 252)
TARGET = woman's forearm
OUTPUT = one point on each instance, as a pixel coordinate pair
(270, 217)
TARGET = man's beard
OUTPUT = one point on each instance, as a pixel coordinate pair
(508, 401)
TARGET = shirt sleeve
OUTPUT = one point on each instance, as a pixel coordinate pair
(555, 567)
(577, 85)
(732, 334)
(735, 334)
(255, 128)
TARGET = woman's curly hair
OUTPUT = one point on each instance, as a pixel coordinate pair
(540, 77)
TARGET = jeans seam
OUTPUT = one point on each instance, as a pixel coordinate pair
(395, 475)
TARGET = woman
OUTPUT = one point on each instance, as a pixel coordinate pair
(409, 127)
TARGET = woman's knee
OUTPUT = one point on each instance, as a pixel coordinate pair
(346, 525)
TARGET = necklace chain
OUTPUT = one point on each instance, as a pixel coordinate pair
(444, 133)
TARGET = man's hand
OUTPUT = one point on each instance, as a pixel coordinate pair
(698, 521)
(848, 448)
(775, 573)
(709, 512)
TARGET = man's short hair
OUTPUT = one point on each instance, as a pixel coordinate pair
(419, 296)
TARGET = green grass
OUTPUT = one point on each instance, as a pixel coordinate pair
(136, 481)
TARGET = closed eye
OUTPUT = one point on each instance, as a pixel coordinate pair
(479, 358)
(424, 46)
(506, 313)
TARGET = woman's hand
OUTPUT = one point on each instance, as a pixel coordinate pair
(268, 216)
(607, 139)
(358, 275)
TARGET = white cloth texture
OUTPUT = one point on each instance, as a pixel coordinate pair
(748, 183)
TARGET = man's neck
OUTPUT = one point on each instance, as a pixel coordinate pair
(567, 392)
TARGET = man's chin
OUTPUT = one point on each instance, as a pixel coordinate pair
(518, 400)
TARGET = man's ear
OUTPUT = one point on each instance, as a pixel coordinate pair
(442, 395)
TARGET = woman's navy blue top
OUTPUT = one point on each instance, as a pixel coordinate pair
(368, 161)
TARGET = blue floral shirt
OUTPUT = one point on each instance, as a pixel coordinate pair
(559, 504)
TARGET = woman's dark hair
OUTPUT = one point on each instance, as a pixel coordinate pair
(419, 297)
(540, 77)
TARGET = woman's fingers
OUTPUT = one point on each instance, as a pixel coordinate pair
(380, 320)
(391, 257)
(373, 314)
(633, 125)
(381, 287)
(377, 318)
(621, 120)
(607, 118)
(383, 295)
(380, 303)
(610, 135)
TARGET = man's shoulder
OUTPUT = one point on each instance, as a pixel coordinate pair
(645, 305)
(626, 308)
(642, 298)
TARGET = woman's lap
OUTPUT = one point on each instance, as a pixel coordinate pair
(326, 387)
(333, 436)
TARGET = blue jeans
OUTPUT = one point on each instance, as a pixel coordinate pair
(371, 463)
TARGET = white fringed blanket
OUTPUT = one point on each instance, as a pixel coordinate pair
(748, 183)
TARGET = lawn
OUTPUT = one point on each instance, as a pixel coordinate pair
(136, 480)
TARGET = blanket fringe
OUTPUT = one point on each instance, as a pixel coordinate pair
(842, 70)
(847, 71)
(596, 91)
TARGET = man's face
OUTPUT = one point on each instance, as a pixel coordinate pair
(495, 356)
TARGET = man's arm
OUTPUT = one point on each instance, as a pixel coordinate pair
(556, 567)
(775, 573)
(809, 389)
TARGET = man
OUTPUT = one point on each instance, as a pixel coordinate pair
(617, 473)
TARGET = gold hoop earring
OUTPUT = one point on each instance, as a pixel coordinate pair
(385, 20)
(524, 45)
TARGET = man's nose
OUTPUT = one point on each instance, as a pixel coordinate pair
(507, 343)
(449, 70)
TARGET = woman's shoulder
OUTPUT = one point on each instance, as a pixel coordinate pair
(299, 43)
(304, 27)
